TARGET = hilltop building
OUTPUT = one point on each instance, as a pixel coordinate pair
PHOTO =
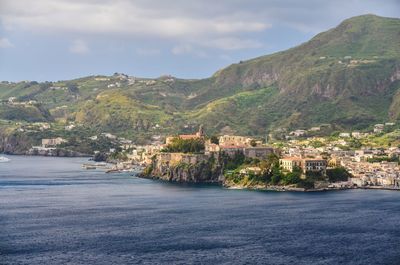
(199, 135)
(233, 140)
(306, 164)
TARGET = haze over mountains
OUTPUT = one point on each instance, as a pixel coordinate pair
(348, 76)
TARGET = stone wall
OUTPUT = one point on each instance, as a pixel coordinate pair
(176, 158)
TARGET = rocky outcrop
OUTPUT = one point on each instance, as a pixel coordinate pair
(59, 152)
(16, 144)
(200, 172)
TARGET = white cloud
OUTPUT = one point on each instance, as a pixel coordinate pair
(187, 24)
(5, 43)
(119, 17)
(79, 47)
(182, 49)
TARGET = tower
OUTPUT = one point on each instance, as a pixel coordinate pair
(200, 133)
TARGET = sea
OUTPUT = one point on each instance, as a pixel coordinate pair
(54, 212)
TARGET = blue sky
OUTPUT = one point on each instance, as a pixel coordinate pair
(65, 39)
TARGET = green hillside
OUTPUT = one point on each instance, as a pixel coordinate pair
(348, 76)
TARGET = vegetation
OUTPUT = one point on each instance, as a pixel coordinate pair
(271, 173)
(383, 158)
(338, 174)
(179, 145)
(316, 82)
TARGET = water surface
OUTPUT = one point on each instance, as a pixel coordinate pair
(54, 212)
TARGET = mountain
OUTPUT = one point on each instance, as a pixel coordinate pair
(348, 76)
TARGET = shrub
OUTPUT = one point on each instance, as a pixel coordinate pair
(338, 174)
(185, 145)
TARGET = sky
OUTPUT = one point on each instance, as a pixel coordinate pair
(50, 40)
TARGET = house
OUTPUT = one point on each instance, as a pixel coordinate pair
(378, 128)
(315, 129)
(233, 140)
(251, 170)
(70, 127)
(306, 164)
(52, 142)
(314, 165)
(298, 133)
(356, 134)
(290, 163)
(109, 136)
(363, 155)
(344, 135)
(211, 148)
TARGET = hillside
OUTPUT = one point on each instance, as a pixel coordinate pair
(348, 76)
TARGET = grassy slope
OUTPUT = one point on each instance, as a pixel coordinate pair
(295, 88)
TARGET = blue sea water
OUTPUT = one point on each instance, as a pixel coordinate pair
(54, 212)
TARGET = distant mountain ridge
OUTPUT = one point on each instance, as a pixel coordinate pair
(348, 76)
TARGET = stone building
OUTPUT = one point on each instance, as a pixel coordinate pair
(198, 135)
(233, 140)
(306, 164)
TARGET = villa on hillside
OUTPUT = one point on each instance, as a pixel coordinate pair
(53, 141)
(306, 164)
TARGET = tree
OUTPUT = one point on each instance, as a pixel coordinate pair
(214, 139)
(253, 143)
(291, 178)
(338, 174)
(99, 157)
(73, 88)
(179, 145)
(276, 174)
(275, 179)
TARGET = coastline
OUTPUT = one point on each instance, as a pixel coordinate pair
(60, 156)
(282, 188)
(286, 188)
(275, 188)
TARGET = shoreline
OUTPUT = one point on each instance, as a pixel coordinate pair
(41, 155)
(268, 188)
(283, 189)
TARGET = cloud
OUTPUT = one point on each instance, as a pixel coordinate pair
(182, 49)
(231, 43)
(189, 26)
(79, 47)
(137, 18)
(5, 43)
(148, 51)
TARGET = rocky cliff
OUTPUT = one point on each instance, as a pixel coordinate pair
(16, 144)
(201, 172)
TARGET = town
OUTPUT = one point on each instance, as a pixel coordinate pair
(302, 160)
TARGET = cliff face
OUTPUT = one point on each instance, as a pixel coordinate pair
(201, 172)
(14, 144)
(20, 144)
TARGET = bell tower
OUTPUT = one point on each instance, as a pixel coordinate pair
(200, 133)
